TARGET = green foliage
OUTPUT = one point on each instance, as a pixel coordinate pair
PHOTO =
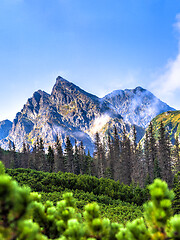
(57, 182)
(15, 209)
(171, 120)
(2, 169)
(115, 210)
(23, 216)
(158, 210)
(176, 188)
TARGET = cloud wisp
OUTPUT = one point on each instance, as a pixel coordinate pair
(167, 84)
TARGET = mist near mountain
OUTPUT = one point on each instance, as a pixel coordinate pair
(71, 111)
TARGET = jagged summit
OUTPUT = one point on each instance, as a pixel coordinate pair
(59, 78)
(71, 111)
(139, 89)
(63, 86)
(61, 81)
(137, 106)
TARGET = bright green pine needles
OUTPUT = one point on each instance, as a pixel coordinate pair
(23, 216)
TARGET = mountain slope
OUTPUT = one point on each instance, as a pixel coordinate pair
(67, 111)
(5, 127)
(136, 106)
(171, 121)
(71, 111)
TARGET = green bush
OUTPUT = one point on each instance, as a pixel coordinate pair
(23, 216)
(51, 182)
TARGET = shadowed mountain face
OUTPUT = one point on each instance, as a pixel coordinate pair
(5, 127)
(70, 111)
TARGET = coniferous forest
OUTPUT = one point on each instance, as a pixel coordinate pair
(114, 194)
(121, 160)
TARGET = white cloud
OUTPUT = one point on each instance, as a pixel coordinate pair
(177, 24)
(98, 124)
(167, 84)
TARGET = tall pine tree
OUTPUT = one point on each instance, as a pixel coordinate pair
(176, 157)
(165, 155)
(69, 156)
(116, 155)
(50, 159)
(59, 157)
(126, 163)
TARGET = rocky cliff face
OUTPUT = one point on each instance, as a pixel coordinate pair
(70, 111)
(77, 107)
(137, 106)
(5, 127)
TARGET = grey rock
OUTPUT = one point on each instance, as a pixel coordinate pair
(137, 106)
(5, 127)
(71, 111)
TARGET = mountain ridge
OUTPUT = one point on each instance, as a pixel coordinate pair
(71, 111)
(132, 102)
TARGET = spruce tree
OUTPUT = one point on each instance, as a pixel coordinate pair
(157, 169)
(97, 155)
(24, 156)
(154, 168)
(89, 163)
(141, 167)
(110, 157)
(82, 159)
(134, 157)
(102, 163)
(50, 159)
(59, 157)
(14, 156)
(77, 164)
(147, 159)
(43, 165)
(134, 138)
(176, 189)
(165, 155)
(126, 163)
(116, 155)
(11, 155)
(33, 157)
(40, 157)
(176, 152)
(69, 157)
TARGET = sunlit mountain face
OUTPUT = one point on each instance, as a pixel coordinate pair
(71, 111)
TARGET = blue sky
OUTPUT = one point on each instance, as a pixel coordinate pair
(99, 45)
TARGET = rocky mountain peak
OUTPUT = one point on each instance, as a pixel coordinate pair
(71, 111)
(39, 99)
(139, 90)
(68, 90)
(60, 79)
(137, 106)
